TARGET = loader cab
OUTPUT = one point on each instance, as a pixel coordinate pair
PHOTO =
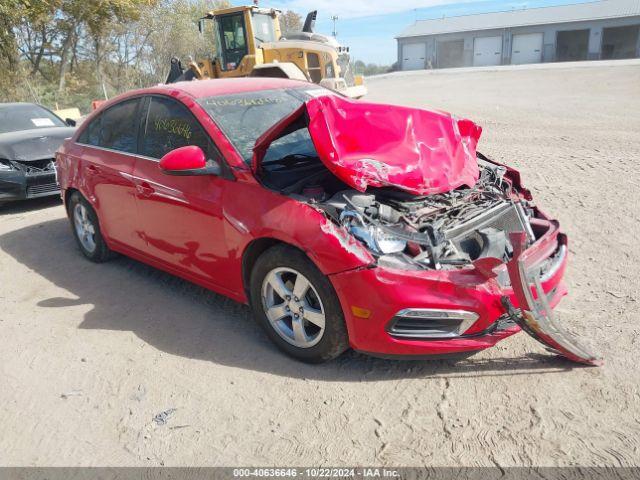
(240, 31)
(233, 45)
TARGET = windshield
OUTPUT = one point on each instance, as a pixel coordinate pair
(14, 118)
(243, 117)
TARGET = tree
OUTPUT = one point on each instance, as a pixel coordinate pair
(66, 52)
(359, 67)
(100, 19)
(173, 28)
(36, 17)
(290, 21)
(366, 69)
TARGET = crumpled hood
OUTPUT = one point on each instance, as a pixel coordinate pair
(35, 144)
(366, 144)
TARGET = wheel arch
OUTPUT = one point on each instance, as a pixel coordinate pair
(67, 196)
(69, 191)
(253, 251)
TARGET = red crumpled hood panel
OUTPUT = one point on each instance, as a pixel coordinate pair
(367, 144)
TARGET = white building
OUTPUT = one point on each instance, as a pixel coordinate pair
(606, 29)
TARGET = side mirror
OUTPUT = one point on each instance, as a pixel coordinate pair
(70, 122)
(189, 160)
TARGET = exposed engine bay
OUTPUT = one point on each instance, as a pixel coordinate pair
(437, 231)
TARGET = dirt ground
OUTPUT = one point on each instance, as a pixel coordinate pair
(92, 353)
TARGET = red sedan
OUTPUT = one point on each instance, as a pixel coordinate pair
(342, 223)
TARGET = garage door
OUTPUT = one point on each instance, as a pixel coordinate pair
(487, 51)
(413, 56)
(526, 48)
(572, 45)
(450, 54)
(620, 42)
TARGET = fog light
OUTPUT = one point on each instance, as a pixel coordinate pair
(431, 323)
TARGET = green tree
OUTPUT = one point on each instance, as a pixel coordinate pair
(173, 32)
(69, 52)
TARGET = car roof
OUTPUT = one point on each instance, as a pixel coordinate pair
(17, 104)
(226, 86)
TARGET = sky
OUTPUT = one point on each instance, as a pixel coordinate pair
(369, 27)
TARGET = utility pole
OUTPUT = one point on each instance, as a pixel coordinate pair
(334, 18)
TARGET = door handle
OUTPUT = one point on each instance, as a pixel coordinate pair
(145, 189)
(93, 169)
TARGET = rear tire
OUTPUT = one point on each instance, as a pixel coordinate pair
(297, 306)
(86, 229)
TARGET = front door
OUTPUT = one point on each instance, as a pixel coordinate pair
(180, 216)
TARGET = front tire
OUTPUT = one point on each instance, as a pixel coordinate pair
(86, 229)
(297, 306)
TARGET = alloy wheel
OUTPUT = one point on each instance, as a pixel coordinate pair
(293, 307)
(84, 227)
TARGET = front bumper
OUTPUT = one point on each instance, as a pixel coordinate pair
(481, 289)
(16, 185)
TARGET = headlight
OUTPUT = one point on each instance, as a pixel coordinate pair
(376, 239)
(387, 243)
(5, 166)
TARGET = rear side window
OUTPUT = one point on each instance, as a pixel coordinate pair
(114, 128)
(169, 126)
(91, 134)
(119, 127)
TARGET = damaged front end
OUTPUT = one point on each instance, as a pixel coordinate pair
(22, 179)
(440, 231)
(488, 228)
(420, 199)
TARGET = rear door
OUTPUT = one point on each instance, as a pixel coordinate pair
(180, 216)
(107, 158)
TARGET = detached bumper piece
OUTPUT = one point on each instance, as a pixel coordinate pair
(535, 316)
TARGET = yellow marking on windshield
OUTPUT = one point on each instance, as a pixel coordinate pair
(243, 102)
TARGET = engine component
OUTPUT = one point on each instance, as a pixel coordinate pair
(435, 231)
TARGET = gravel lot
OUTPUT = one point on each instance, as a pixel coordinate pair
(91, 353)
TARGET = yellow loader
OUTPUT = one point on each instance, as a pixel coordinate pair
(249, 43)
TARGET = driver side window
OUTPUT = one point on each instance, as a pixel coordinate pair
(169, 125)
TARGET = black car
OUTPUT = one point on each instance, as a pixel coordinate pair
(29, 137)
